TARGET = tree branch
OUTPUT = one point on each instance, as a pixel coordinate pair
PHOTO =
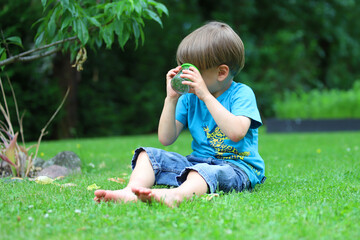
(40, 55)
(21, 57)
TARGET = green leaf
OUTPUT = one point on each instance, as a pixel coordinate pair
(48, 4)
(118, 26)
(142, 36)
(120, 8)
(108, 8)
(161, 8)
(82, 32)
(64, 3)
(123, 38)
(39, 39)
(43, 3)
(154, 16)
(66, 22)
(11, 154)
(51, 24)
(3, 56)
(138, 7)
(73, 10)
(135, 26)
(98, 41)
(38, 21)
(94, 21)
(108, 35)
(15, 40)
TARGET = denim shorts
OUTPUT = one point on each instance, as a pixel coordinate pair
(171, 169)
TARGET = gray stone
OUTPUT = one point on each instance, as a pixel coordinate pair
(54, 171)
(65, 159)
(5, 169)
(3, 164)
(38, 162)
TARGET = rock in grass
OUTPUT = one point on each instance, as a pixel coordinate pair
(63, 164)
(38, 162)
(5, 170)
(65, 159)
(55, 171)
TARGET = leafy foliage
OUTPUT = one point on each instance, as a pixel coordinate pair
(95, 24)
(90, 22)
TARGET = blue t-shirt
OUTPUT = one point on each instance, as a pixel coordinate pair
(210, 141)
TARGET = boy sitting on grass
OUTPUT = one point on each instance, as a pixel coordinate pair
(222, 117)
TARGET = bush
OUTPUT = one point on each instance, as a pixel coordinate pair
(320, 104)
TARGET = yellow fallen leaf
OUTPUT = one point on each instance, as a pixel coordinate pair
(92, 187)
(116, 179)
(16, 178)
(44, 180)
(211, 196)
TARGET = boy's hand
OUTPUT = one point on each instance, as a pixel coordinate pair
(197, 84)
(169, 91)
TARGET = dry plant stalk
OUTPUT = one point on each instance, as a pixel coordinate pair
(43, 133)
(17, 156)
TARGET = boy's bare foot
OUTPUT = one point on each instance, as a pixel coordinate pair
(169, 197)
(142, 193)
(123, 195)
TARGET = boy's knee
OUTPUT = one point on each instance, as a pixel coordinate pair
(143, 157)
(143, 154)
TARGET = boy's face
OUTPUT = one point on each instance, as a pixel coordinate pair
(214, 79)
(210, 77)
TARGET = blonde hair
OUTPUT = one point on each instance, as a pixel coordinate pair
(211, 45)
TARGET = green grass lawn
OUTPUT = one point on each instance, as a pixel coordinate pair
(312, 192)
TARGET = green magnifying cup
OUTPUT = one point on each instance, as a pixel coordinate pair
(176, 81)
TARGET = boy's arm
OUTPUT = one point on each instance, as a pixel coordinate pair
(169, 128)
(234, 127)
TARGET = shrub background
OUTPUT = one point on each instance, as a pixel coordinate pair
(291, 46)
(317, 104)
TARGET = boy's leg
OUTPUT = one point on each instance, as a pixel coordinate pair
(142, 176)
(194, 185)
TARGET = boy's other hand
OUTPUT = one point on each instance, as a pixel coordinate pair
(169, 90)
(197, 84)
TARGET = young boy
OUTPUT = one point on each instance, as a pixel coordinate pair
(222, 117)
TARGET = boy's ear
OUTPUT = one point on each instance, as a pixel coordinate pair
(223, 72)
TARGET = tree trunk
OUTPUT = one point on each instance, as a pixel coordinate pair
(67, 76)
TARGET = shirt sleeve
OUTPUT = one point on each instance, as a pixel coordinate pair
(181, 111)
(244, 104)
